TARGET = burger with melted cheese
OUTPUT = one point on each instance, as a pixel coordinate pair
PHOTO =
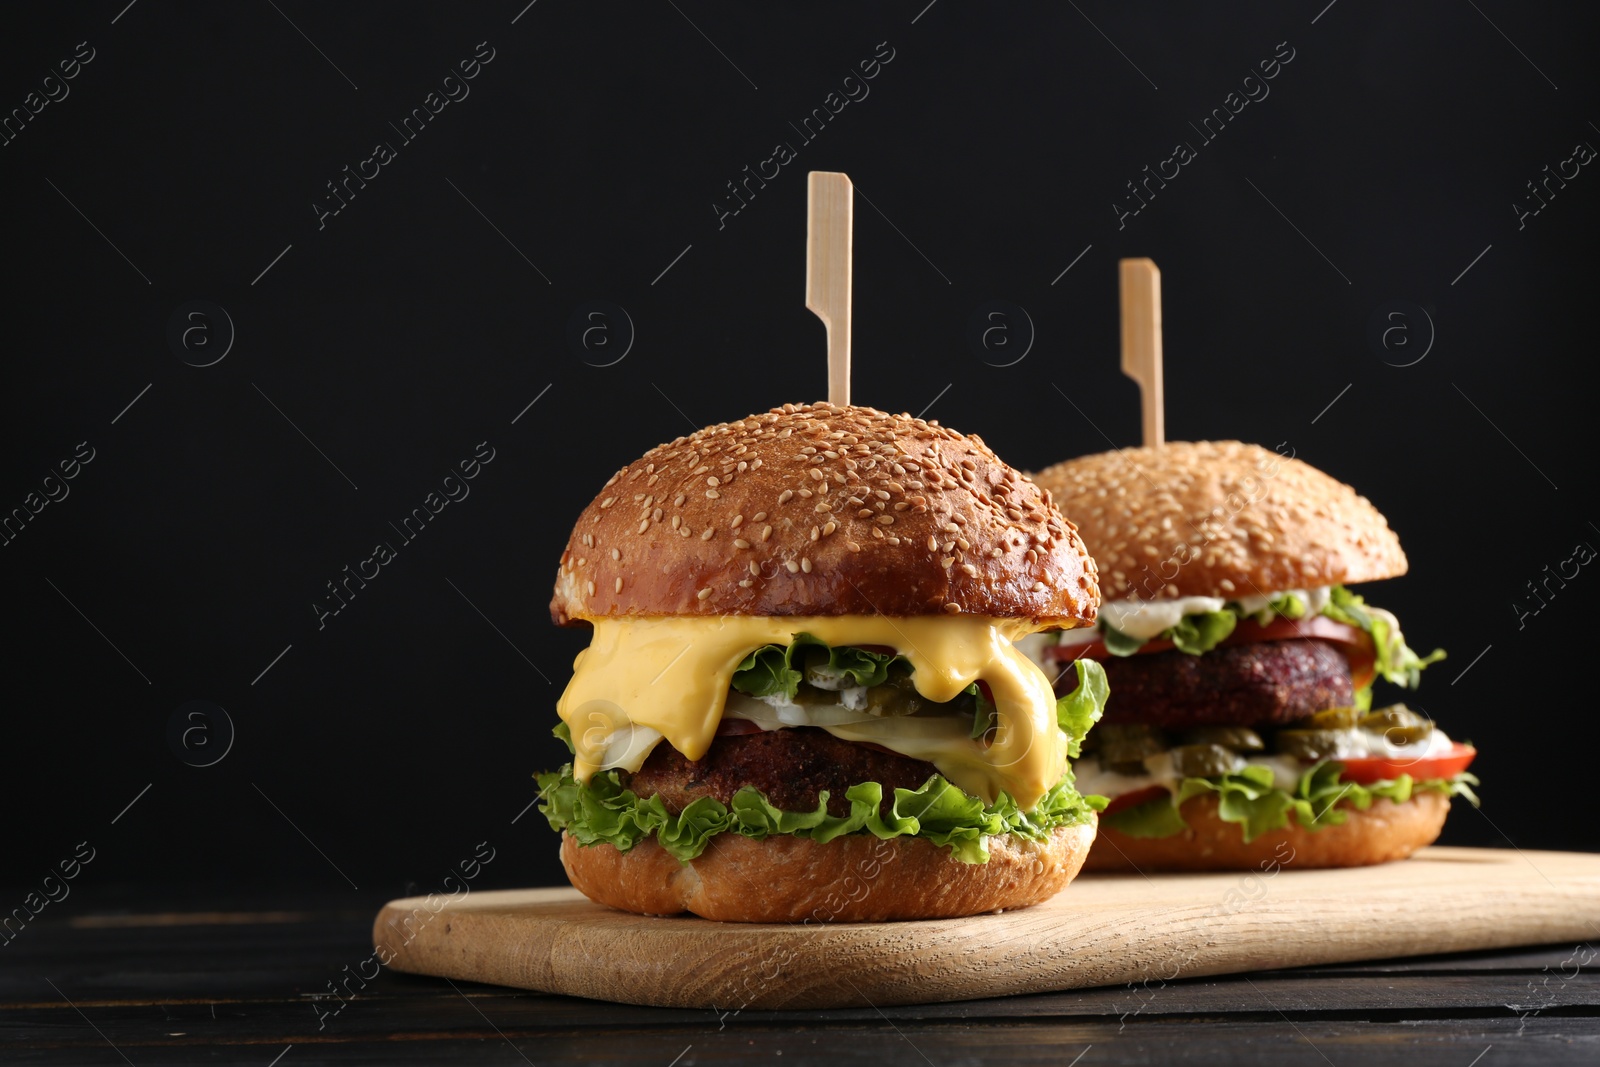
(802, 699)
(1241, 731)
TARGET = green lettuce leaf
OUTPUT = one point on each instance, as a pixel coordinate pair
(984, 716)
(1197, 634)
(1082, 708)
(605, 811)
(1250, 799)
(774, 669)
(1118, 643)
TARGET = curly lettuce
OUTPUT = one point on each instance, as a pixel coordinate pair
(1250, 799)
(604, 811)
(1396, 662)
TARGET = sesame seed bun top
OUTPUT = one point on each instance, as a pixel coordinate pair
(824, 510)
(1219, 518)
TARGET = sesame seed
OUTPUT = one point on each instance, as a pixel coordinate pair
(852, 546)
(758, 516)
(816, 474)
(677, 520)
(582, 561)
(864, 513)
(740, 542)
(712, 481)
(656, 515)
(755, 568)
(783, 497)
(791, 566)
(972, 572)
(608, 501)
(745, 583)
(709, 530)
(829, 527)
(619, 585)
(887, 520)
(616, 553)
(591, 588)
(679, 499)
(952, 608)
(737, 520)
(963, 543)
(712, 494)
(644, 525)
(766, 532)
(684, 531)
(947, 562)
(805, 565)
(702, 594)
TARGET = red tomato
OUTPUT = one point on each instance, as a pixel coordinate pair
(1377, 768)
(735, 727)
(1133, 799)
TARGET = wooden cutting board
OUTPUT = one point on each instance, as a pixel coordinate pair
(1101, 930)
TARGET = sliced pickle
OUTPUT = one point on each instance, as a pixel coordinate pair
(1310, 744)
(1238, 738)
(1127, 742)
(896, 696)
(1204, 761)
(1398, 724)
(1333, 719)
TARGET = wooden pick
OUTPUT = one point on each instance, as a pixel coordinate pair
(830, 224)
(1140, 285)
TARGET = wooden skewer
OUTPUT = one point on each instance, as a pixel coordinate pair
(830, 223)
(1140, 286)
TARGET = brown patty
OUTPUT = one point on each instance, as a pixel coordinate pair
(792, 767)
(1258, 684)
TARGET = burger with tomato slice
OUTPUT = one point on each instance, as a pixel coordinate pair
(1241, 730)
(802, 699)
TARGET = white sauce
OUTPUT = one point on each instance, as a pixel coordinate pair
(1145, 619)
(1313, 599)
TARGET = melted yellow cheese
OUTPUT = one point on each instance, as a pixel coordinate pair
(642, 680)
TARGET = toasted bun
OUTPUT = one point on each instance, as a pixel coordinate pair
(1385, 831)
(856, 878)
(1219, 518)
(822, 510)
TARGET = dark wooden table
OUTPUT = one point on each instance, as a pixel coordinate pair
(245, 983)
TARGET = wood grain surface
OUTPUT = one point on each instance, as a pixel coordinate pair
(1102, 930)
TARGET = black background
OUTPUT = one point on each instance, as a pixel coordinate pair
(380, 749)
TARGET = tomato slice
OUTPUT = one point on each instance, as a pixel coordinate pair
(1376, 768)
(1134, 799)
(1355, 643)
(735, 727)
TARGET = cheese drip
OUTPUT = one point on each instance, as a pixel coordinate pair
(643, 680)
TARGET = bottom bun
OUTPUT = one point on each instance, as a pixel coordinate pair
(1385, 831)
(856, 878)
